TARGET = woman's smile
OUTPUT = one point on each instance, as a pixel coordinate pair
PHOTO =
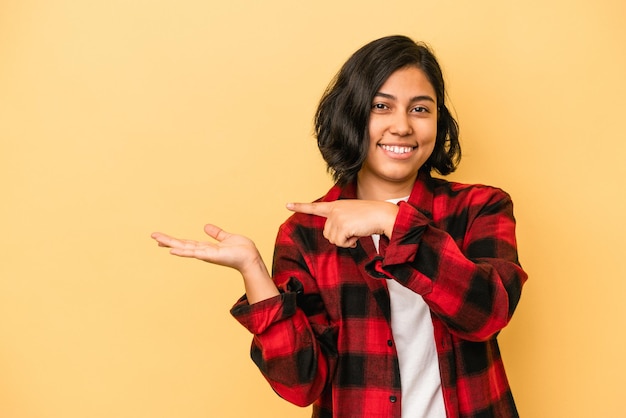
(398, 151)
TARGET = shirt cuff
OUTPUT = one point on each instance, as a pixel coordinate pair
(258, 317)
(407, 235)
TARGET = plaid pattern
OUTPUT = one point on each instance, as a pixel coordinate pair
(327, 338)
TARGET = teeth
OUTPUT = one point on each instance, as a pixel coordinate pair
(396, 149)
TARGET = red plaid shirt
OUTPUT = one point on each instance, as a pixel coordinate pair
(327, 338)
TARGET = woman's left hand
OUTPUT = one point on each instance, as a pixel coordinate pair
(350, 219)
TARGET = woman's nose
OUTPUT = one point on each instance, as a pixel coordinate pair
(401, 125)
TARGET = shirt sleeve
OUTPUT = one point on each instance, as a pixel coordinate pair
(294, 344)
(473, 281)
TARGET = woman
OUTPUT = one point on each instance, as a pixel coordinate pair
(387, 294)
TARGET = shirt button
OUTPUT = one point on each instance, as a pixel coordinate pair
(389, 343)
(393, 399)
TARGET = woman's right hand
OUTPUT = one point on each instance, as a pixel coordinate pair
(230, 250)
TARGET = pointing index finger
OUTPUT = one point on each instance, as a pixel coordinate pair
(316, 208)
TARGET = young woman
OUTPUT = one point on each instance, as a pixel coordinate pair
(387, 294)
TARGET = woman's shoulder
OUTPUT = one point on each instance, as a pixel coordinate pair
(476, 192)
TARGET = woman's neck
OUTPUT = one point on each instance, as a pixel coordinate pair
(382, 192)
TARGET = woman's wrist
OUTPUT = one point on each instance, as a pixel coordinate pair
(390, 219)
(258, 282)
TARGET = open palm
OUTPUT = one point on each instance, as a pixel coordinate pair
(228, 250)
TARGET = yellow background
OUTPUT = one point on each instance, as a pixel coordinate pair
(121, 117)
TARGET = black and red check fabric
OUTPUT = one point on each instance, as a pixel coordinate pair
(327, 339)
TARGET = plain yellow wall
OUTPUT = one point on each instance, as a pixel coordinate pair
(120, 117)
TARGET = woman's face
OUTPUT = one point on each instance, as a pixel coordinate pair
(402, 131)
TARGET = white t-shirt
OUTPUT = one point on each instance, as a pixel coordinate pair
(413, 333)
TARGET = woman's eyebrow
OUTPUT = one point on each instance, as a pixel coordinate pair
(413, 99)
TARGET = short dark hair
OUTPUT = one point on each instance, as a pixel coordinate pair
(342, 117)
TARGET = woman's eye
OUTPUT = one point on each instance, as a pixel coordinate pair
(379, 106)
(420, 109)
